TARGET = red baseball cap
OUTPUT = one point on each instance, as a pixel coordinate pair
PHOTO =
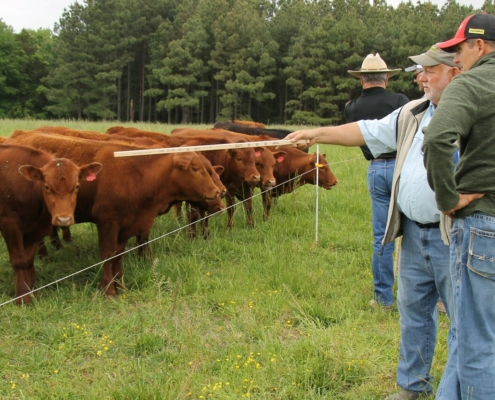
(476, 26)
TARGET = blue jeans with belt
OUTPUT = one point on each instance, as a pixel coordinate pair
(472, 266)
(380, 174)
(423, 278)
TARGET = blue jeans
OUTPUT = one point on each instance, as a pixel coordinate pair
(380, 187)
(423, 278)
(472, 266)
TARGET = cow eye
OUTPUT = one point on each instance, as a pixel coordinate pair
(195, 169)
(77, 186)
(47, 188)
(239, 159)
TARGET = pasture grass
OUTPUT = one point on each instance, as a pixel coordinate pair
(263, 313)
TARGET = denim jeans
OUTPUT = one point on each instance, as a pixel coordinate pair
(423, 278)
(472, 266)
(380, 187)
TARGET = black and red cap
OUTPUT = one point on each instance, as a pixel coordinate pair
(476, 26)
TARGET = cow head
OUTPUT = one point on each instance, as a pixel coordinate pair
(215, 172)
(242, 163)
(326, 178)
(194, 182)
(265, 164)
(61, 179)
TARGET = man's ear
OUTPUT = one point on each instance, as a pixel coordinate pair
(455, 71)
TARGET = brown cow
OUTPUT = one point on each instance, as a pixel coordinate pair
(252, 130)
(265, 163)
(234, 160)
(93, 135)
(36, 192)
(130, 192)
(239, 164)
(196, 208)
(249, 123)
(296, 163)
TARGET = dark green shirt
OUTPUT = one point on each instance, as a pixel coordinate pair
(466, 112)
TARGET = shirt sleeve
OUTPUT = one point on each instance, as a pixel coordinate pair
(380, 135)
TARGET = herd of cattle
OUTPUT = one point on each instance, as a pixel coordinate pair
(55, 177)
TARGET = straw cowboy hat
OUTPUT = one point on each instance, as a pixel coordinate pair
(374, 65)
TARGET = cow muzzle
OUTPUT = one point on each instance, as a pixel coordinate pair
(63, 220)
(269, 184)
(217, 195)
(256, 179)
(330, 186)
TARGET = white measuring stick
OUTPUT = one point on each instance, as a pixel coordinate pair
(145, 152)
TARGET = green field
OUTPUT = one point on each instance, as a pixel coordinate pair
(263, 313)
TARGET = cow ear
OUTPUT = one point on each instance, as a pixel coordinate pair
(30, 172)
(218, 169)
(259, 150)
(89, 171)
(182, 161)
(279, 156)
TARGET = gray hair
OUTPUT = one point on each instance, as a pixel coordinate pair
(379, 77)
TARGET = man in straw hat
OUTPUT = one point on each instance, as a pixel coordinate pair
(376, 102)
(424, 273)
(467, 114)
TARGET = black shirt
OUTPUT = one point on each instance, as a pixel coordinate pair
(374, 103)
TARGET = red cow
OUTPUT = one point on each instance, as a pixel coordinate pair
(130, 192)
(152, 140)
(36, 192)
(265, 164)
(296, 163)
(239, 164)
(93, 135)
(240, 176)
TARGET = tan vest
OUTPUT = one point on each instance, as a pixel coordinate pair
(407, 124)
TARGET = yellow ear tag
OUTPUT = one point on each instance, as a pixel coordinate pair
(319, 165)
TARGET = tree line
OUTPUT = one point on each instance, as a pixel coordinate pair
(198, 61)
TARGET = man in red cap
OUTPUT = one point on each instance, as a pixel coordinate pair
(467, 114)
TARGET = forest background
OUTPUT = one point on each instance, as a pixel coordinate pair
(198, 61)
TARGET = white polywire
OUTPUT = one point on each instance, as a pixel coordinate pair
(174, 231)
(317, 191)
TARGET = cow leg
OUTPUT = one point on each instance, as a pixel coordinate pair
(192, 218)
(267, 204)
(230, 200)
(117, 267)
(248, 209)
(30, 246)
(42, 249)
(66, 234)
(109, 247)
(178, 211)
(21, 254)
(54, 238)
(144, 249)
(248, 204)
(206, 229)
